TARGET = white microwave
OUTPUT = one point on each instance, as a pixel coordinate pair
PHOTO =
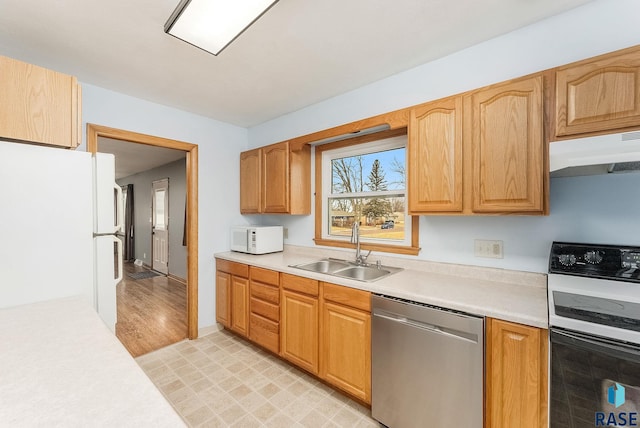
(257, 239)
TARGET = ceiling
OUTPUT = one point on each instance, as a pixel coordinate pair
(132, 158)
(297, 54)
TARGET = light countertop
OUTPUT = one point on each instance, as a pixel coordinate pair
(62, 367)
(515, 296)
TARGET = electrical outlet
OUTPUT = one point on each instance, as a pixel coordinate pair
(488, 249)
(285, 232)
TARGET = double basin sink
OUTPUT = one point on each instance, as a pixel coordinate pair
(347, 269)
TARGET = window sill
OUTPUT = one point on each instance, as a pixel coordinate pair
(411, 251)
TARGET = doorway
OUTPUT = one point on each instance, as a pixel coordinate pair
(160, 226)
(191, 224)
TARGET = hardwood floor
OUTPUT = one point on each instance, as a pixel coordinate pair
(152, 313)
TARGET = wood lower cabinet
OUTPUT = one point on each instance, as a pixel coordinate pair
(276, 179)
(345, 339)
(264, 308)
(39, 105)
(223, 298)
(299, 321)
(232, 295)
(598, 94)
(240, 305)
(516, 375)
(505, 130)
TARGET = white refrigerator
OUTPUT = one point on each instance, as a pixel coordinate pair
(60, 211)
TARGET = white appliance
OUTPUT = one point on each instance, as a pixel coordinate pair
(601, 154)
(59, 215)
(256, 239)
(594, 328)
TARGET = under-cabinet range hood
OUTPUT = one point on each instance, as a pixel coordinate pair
(602, 154)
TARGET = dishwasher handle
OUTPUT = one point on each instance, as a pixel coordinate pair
(452, 333)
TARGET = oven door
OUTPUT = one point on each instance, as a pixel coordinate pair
(594, 381)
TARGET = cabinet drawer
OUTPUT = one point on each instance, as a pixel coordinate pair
(267, 310)
(265, 292)
(237, 269)
(347, 296)
(265, 276)
(265, 332)
(299, 284)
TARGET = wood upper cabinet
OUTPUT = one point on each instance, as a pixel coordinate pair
(250, 173)
(232, 295)
(505, 128)
(345, 339)
(516, 375)
(598, 94)
(435, 157)
(38, 105)
(276, 179)
(299, 321)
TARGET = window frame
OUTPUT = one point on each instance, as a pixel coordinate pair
(321, 197)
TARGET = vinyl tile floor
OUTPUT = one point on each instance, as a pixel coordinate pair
(220, 380)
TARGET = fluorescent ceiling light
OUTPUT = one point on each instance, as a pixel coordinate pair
(212, 24)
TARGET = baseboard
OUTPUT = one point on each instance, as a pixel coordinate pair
(204, 331)
(177, 278)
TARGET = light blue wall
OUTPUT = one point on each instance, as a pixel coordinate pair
(219, 147)
(590, 209)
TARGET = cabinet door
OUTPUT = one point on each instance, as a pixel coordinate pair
(240, 305)
(345, 343)
(299, 330)
(507, 140)
(38, 105)
(223, 298)
(435, 157)
(516, 383)
(250, 174)
(598, 94)
(275, 178)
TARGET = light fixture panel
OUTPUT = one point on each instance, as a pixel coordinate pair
(212, 24)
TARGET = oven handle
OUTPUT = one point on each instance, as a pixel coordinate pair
(596, 344)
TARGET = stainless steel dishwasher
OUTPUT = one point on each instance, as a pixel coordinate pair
(427, 365)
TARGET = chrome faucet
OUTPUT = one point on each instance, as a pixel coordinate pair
(355, 239)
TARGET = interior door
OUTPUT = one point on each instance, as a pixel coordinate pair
(160, 226)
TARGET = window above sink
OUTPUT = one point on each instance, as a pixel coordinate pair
(363, 180)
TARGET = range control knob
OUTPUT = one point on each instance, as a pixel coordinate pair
(593, 257)
(567, 259)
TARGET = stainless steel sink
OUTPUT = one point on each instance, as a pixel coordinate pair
(324, 265)
(362, 273)
(347, 269)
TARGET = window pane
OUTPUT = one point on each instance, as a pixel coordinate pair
(370, 172)
(379, 218)
(159, 208)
